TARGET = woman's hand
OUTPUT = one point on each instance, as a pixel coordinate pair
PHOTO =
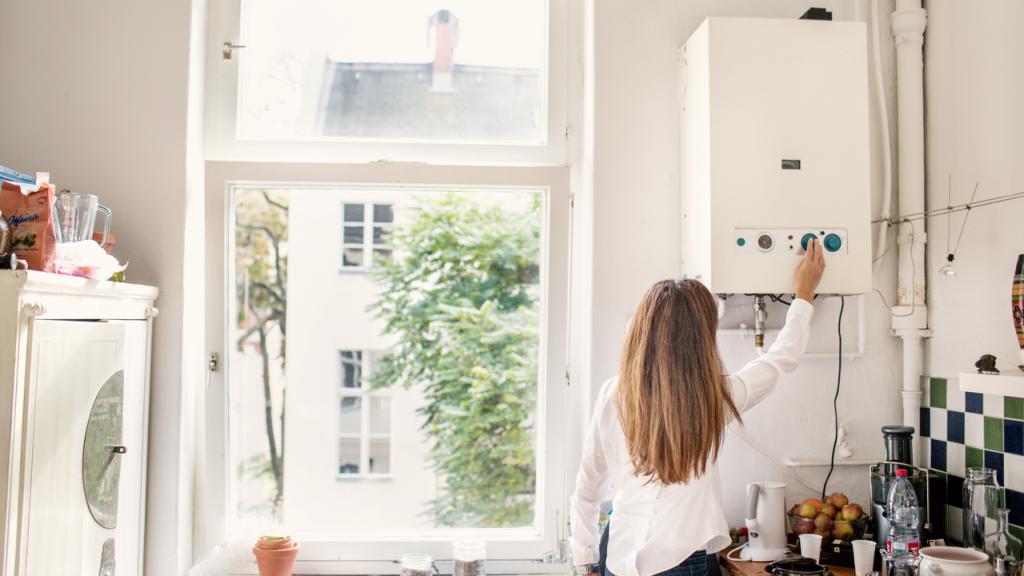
(808, 272)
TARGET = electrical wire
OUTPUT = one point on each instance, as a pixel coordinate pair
(913, 284)
(835, 400)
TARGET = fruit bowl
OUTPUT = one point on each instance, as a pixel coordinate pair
(828, 528)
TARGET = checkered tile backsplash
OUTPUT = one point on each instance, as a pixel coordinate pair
(966, 430)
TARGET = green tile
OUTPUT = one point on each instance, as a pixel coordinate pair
(1013, 407)
(975, 458)
(993, 434)
(937, 394)
(1017, 531)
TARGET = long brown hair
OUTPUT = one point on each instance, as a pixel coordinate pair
(672, 394)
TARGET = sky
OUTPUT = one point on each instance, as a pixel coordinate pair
(506, 33)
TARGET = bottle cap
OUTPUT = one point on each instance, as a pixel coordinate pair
(901, 473)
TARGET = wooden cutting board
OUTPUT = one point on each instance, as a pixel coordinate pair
(738, 568)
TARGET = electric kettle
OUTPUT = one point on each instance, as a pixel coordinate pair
(766, 522)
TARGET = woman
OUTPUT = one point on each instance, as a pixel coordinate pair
(657, 428)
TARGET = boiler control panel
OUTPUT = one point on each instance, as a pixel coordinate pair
(789, 241)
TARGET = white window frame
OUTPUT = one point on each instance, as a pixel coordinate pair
(539, 549)
(223, 25)
(367, 244)
(365, 435)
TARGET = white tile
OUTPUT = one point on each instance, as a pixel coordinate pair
(955, 399)
(926, 458)
(938, 423)
(974, 430)
(1013, 470)
(993, 405)
(955, 455)
(955, 523)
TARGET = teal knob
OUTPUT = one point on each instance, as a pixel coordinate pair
(833, 242)
(806, 239)
(741, 241)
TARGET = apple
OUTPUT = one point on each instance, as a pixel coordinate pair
(842, 531)
(807, 510)
(822, 533)
(829, 510)
(815, 502)
(804, 526)
(838, 499)
(852, 512)
(822, 522)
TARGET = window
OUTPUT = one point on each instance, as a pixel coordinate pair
(419, 404)
(406, 80)
(364, 436)
(366, 234)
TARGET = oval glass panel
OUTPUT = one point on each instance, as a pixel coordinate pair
(101, 455)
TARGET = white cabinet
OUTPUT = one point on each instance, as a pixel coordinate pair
(74, 381)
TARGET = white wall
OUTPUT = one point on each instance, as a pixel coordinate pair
(974, 68)
(96, 93)
(636, 205)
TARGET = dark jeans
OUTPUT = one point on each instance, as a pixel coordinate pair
(698, 564)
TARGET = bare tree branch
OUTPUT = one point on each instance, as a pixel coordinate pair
(278, 205)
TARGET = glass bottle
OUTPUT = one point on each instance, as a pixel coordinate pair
(417, 565)
(468, 558)
(1001, 543)
(982, 496)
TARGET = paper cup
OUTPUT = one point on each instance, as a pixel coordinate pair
(810, 546)
(863, 557)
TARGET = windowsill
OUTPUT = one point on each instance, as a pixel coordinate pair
(354, 270)
(353, 477)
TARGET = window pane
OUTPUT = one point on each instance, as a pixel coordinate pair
(380, 415)
(383, 213)
(353, 234)
(351, 369)
(354, 213)
(351, 415)
(380, 456)
(381, 256)
(348, 456)
(468, 328)
(394, 69)
(379, 235)
(352, 257)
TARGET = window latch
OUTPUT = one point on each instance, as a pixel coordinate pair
(227, 51)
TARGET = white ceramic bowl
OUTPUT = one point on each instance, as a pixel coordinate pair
(951, 561)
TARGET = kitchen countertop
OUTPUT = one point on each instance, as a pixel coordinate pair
(739, 568)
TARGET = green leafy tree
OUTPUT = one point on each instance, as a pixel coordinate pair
(461, 296)
(261, 263)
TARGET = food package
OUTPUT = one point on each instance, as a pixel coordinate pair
(28, 209)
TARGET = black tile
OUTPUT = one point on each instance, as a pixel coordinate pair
(955, 491)
(974, 402)
(994, 460)
(926, 422)
(955, 426)
(937, 501)
(939, 454)
(1013, 437)
(1015, 502)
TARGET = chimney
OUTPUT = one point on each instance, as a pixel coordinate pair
(446, 35)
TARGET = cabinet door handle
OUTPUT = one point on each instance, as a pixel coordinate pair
(117, 448)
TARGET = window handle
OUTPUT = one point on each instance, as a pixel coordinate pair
(117, 448)
(227, 51)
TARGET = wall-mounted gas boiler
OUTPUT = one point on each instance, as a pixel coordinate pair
(775, 151)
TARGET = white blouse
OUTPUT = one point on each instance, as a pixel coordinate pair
(654, 526)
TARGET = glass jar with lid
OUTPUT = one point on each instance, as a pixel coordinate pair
(417, 565)
(468, 558)
(982, 501)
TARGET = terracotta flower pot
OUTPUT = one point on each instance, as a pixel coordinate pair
(276, 557)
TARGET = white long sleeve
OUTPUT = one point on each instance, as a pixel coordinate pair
(655, 526)
(755, 381)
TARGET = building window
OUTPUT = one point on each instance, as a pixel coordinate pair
(364, 434)
(366, 234)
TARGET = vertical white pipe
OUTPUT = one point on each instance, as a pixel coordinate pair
(910, 315)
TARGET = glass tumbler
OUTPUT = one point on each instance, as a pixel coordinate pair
(982, 501)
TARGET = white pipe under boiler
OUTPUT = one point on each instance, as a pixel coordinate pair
(910, 315)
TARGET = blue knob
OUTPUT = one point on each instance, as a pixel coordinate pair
(741, 241)
(806, 239)
(833, 242)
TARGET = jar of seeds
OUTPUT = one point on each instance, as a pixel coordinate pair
(468, 557)
(417, 565)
